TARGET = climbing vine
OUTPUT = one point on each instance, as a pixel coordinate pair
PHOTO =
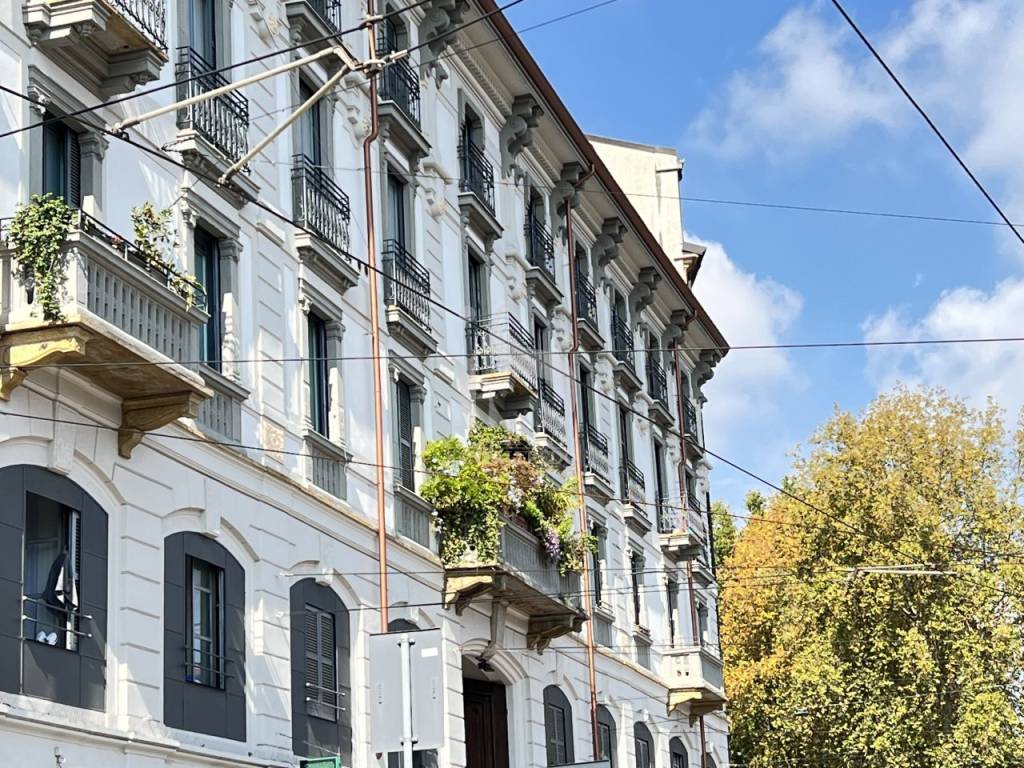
(155, 240)
(475, 486)
(36, 235)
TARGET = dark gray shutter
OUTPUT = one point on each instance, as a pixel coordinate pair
(74, 170)
(551, 716)
(12, 532)
(406, 451)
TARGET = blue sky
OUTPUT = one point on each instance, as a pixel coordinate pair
(778, 102)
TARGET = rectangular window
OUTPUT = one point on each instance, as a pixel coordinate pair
(625, 450)
(206, 623)
(554, 722)
(406, 445)
(604, 732)
(659, 473)
(586, 394)
(395, 218)
(702, 623)
(643, 753)
(51, 566)
(672, 598)
(678, 760)
(321, 670)
(202, 29)
(319, 394)
(636, 569)
(62, 163)
(477, 288)
(207, 255)
(599, 555)
(310, 131)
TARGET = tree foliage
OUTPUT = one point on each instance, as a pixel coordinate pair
(725, 532)
(37, 234)
(830, 665)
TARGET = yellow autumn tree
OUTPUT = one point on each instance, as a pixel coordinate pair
(872, 612)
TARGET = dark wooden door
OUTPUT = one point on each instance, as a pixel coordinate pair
(486, 717)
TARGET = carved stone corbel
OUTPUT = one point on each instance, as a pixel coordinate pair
(563, 191)
(606, 246)
(517, 133)
(441, 18)
(642, 295)
(144, 414)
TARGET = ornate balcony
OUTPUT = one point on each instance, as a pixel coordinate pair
(523, 575)
(678, 537)
(321, 206)
(398, 94)
(694, 679)
(125, 318)
(657, 388)
(502, 367)
(631, 488)
(540, 251)
(625, 356)
(586, 314)
(690, 427)
(212, 134)
(313, 20)
(112, 46)
(476, 190)
(407, 298)
(549, 425)
(597, 472)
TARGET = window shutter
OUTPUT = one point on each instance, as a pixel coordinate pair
(549, 734)
(328, 673)
(74, 170)
(312, 668)
(406, 452)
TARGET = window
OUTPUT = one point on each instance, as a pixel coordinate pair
(206, 620)
(207, 257)
(202, 29)
(636, 573)
(558, 727)
(393, 35)
(319, 392)
(406, 444)
(52, 564)
(321, 664)
(586, 397)
(606, 734)
(643, 746)
(394, 220)
(477, 288)
(677, 752)
(320, 668)
(540, 347)
(702, 622)
(625, 450)
(53, 589)
(310, 128)
(672, 598)
(62, 163)
(598, 558)
(659, 473)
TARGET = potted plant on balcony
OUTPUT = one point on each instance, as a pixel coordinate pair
(36, 236)
(155, 240)
(491, 480)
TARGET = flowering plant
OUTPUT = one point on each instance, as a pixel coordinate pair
(478, 485)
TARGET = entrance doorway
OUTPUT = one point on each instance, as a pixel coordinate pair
(486, 717)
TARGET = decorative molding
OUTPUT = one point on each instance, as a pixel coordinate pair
(562, 192)
(606, 246)
(517, 133)
(643, 293)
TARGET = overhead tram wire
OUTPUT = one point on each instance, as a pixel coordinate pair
(931, 124)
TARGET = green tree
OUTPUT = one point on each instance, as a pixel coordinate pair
(724, 531)
(832, 665)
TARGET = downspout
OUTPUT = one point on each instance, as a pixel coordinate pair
(684, 502)
(703, 745)
(574, 402)
(375, 356)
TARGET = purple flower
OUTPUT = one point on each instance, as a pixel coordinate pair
(552, 544)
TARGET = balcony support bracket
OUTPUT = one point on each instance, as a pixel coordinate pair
(24, 350)
(543, 629)
(144, 414)
(499, 614)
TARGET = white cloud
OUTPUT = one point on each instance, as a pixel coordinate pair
(751, 310)
(972, 370)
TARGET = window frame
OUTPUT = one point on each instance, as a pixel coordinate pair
(606, 725)
(643, 746)
(213, 674)
(405, 434)
(318, 372)
(636, 572)
(208, 273)
(70, 152)
(678, 757)
(321, 699)
(558, 710)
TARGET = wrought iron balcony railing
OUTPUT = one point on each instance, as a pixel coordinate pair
(631, 481)
(224, 120)
(329, 12)
(500, 343)
(622, 341)
(693, 501)
(657, 381)
(690, 420)
(319, 204)
(398, 82)
(668, 516)
(595, 453)
(540, 246)
(148, 16)
(477, 173)
(549, 418)
(586, 299)
(406, 282)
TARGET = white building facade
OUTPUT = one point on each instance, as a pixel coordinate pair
(189, 513)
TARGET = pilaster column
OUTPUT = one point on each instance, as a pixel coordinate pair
(230, 250)
(335, 385)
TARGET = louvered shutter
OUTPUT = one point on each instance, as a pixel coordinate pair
(406, 452)
(312, 676)
(328, 665)
(74, 170)
(554, 727)
(321, 669)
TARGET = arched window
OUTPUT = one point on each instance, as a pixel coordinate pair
(710, 761)
(677, 754)
(204, 637)
(643, 746)
(558, 727)
(606, 731)
(320, 652)
(53, 572)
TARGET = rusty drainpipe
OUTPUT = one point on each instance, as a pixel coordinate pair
(378, 393)
(574, 402)
(684, 501)
(703, 745)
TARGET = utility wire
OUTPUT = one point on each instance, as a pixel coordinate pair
(927, 119)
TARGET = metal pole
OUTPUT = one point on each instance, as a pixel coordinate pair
(407, 738)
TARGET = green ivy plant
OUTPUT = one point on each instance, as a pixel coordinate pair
(36, 236)
(475, 486)
(155, 240)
